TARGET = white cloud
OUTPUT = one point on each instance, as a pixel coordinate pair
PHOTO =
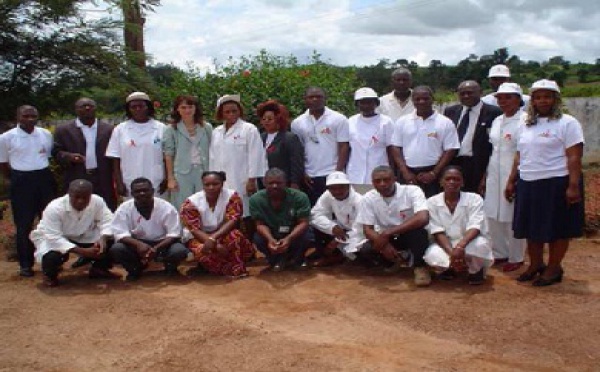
(359, 32)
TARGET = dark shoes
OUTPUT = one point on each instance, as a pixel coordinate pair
(478, 278)
(171, 270)
(529, 275)
(543, 282)
(50, 281)
(448, 274)
(26, 272)
(81, 261)
(97, 273)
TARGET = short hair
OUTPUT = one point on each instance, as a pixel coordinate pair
(315, 88)
(423, 88)
(220, 175)
(80, 185)
(141, 180)
(219, 113)
(84, 99)
(24, 107)
(282, 115)
(402, 71)
(190, 100)
(276, 172)
(149, 104)
(382, 168)
(448, 168)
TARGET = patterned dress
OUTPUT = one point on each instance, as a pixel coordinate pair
(239, 248)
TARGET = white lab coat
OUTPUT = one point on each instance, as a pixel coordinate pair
(369, 139)
(504, 137)
(240, 154)
(467, 215)
(345, 211)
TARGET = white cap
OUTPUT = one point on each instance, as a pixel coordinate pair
(499, 71)
(337, 178)
(363, 93)
(545, 84)
(509, 88)
(228, 98)
(137, 96)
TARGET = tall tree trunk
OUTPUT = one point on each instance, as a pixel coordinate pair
(133, 32)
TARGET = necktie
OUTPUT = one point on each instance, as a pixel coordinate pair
(463, 125)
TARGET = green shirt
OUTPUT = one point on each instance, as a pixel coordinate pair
(281, 222)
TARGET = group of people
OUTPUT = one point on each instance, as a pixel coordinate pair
(397, 184)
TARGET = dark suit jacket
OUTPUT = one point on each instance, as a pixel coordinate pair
(286, 153)
(482, 148)
(68, 138)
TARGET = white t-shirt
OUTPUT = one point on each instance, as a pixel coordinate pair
(390, 105)
(320, 139)
(61, 222)
(139, 147)
(369, 140)
(542, 147)
(164, 222)
(376, 211)
(424, 141)
(26, 152)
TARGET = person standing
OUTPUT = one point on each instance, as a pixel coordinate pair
(398, 102)
(80, 148)
(370, 140)
(186, 144)
(325, 136)
(24, 153)
(284, 149)
(548, 181)
(426, 142)
(135, 146)
(473, 120)
(498, 210)
(498, 75)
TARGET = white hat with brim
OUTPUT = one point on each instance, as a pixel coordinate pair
(337, 178)
(363, 93)
(137, 96)
(499, 71)
(545, 84)
(509, 88)
(228, 98)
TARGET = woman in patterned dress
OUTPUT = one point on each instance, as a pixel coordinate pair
(212, 217)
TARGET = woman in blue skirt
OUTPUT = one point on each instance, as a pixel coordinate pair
(548, 181)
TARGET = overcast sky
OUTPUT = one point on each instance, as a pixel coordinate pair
(361, 32)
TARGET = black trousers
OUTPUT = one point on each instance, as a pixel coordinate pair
(53, 261)
(429, 189)
(294, 254)
(128, 257)
(471, 175)
(317, 189)
(30, 193)
(415, 242)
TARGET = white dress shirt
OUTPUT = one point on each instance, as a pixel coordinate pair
(61, 222)
(90, 133)
(391, 106)
(466, 146)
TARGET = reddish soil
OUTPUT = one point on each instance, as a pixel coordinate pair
(345, 318)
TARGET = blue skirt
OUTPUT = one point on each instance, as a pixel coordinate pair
(542, 213)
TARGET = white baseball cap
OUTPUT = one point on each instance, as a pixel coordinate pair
(228, 98)
(509, 88)
(545, 84)
(362, 93)
(499, 71)
(137, 96)
(337, 178)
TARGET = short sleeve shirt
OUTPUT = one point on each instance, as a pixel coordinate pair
(320, 139)
(26, 151)
(280, 222)
(387, 212)
(424, 141)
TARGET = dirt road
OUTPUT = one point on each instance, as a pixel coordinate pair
(340, 319)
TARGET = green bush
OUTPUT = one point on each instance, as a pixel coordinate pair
(261, 77)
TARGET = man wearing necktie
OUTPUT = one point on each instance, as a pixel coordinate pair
(473, 119)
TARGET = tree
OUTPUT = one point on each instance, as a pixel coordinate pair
(48, 51)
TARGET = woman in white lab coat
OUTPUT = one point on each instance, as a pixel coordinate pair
(498, 210)
(458, 226)
(237, 149)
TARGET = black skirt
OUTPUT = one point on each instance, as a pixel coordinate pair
(542, 213)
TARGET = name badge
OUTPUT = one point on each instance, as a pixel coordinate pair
(284, 229)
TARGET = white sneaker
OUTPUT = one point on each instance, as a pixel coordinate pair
(422, 277)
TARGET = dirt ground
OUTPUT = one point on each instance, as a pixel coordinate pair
(346, 318)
